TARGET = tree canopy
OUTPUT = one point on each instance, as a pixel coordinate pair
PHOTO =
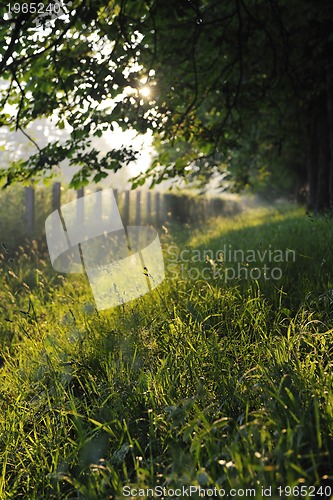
(239, 87)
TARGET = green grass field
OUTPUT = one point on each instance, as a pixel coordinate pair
(220, 378)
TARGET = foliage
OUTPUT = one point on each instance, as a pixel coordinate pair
(221, 76)
(205, 383)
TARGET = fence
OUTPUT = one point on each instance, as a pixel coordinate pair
(136, 207)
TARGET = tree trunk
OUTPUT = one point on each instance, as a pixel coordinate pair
(312, 159)
(322, 195)
(329, 82)
(320, 152)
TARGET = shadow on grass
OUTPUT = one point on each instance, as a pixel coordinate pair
(285, 254)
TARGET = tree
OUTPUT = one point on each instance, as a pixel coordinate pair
(240, 87)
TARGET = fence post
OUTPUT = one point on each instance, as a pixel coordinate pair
(163, 209)
(138, 209)
(148, 207)
(30, 208)
(158, 208)
(209, 207)
(79, 206)
(127, 208)
(99, 203)
(56, 196)
(206, 208)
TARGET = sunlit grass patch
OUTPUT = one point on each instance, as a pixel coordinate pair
(200, 382)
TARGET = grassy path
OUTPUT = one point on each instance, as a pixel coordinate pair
(220, 378)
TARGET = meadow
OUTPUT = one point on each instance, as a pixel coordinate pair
(218, 382)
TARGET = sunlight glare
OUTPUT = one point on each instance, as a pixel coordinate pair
(145, 91)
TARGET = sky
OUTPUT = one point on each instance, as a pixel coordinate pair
(14, 145)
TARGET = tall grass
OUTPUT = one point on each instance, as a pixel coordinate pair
(215, 383)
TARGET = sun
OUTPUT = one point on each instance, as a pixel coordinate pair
(145, 91)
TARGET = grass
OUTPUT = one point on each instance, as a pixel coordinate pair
(212, 383)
